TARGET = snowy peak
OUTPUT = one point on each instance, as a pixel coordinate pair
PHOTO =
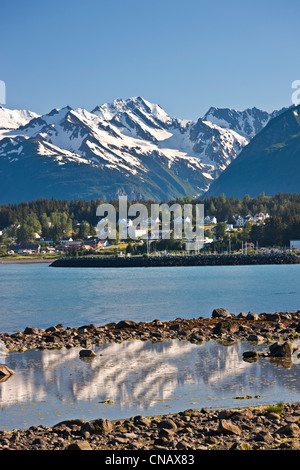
(247, 123)
(14, 118)
(35, 125)
(124, 145)
(135, 116)
(137, 106)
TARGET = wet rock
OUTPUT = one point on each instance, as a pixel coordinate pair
(250, 355)
(284, 350)
(52, 339)
(87, 353)
(226, 326)
(255, 338)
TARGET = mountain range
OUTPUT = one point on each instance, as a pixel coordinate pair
(130, 147)
(270, 163)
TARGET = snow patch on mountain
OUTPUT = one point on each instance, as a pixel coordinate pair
(13, 118)
(133, 137)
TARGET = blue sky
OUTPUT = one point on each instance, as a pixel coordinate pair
(184, 55)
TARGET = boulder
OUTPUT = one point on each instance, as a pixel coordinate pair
(255, 338)
(252, 316)
(242, 315)
(272, 316)
(281, 349)
(220, 312)
(98, 426)
(52, 339)
(141, 421)
(79, 445)
(87, 353)
(167, 424)
(226, 427)
(291, 430)
(226, 326)
(250, 355)
(31, 330)
(264, 436)
(126, 324)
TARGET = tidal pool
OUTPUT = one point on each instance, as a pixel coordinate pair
(139, 378)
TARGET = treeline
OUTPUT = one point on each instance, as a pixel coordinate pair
(274, 232)
(54, 218)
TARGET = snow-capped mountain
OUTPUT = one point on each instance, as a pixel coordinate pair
(128, 147)
(270, 163)
(12, 119)
(247, 123)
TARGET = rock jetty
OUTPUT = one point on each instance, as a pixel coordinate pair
(161, 261)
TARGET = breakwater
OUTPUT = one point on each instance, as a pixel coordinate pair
(161, 261)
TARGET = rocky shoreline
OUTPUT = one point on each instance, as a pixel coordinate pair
(252, 428)
(222, 325)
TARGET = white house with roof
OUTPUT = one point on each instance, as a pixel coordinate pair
(210, 220)
(125, 222)
(150, 222)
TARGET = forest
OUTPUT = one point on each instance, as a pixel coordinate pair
(55, 218)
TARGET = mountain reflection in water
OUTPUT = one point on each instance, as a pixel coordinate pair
(138, 377)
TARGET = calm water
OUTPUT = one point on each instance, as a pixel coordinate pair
(138, 378)
(37, 295)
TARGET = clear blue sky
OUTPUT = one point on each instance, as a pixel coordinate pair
(184, 55)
